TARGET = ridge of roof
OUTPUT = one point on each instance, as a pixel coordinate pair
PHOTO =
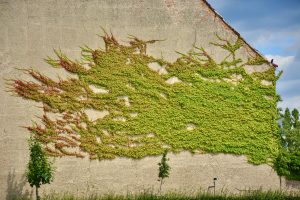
(233, 30)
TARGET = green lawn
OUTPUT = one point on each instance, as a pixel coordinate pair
(175, 196)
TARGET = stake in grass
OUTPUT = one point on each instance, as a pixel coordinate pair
(39, 169)
(164, 169)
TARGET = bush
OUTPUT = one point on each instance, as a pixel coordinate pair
(39, 169)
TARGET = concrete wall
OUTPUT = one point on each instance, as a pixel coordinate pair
(29, 30)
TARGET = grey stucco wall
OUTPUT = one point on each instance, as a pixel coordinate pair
(29, 30)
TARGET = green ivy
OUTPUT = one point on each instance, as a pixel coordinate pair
(226, 115)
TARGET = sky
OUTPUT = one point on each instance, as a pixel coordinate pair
(273, 28)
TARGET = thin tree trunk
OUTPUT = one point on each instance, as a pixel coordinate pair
(161, 182)
(280, 182)
(37, 193)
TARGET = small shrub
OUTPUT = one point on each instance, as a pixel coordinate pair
(164, 169)
(39, 169)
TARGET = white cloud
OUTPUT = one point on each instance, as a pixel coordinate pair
(261, 38)
(282, 61)
(291, 102)
(286, 84)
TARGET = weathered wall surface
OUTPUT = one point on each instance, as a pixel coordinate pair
(29, 30)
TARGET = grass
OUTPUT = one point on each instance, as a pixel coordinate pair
(258, 195)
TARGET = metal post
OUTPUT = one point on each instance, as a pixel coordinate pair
(215, 179)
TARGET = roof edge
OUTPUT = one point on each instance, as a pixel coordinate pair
(235, 31)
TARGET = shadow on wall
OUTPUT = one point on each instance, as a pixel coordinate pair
(292, 184)
(15, 187)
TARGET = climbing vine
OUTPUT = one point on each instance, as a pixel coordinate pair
(211, 107)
